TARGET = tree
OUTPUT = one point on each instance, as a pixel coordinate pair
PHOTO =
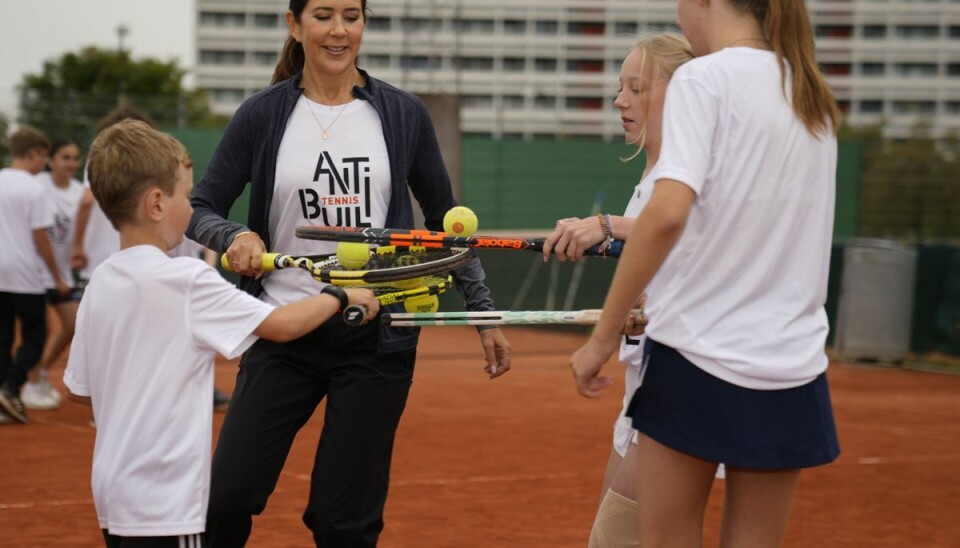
(909, 188)
(4, 141)
(70, 95)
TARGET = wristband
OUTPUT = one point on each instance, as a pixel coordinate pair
(339, 293)
(241, 233)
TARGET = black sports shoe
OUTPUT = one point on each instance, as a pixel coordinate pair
(12, 406)
(220, 400)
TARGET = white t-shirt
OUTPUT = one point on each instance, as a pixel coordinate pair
(342, 181)
(64, 203)
(24, 207)
(742, 293)
(100, 239)
(148, 329)
(187, 248)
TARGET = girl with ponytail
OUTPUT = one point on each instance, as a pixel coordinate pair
(733, 250)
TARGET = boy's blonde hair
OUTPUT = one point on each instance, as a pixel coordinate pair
(127, 159)
(27, 139)
(659, 54)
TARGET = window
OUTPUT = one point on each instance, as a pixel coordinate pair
(585, 103)
(478, 101)
(220, 57)
(215, 19)
(474, 26)
(546, 27)
(872, 69)
(514, 64)
(514, 26)
(574, 27)
(266, 20)
(871, 106)
(874, 31)
(544, 102)
(227, 95)
(476, 63)
(918, 31)
(625, 27)
(543, 64)
(415, 24)
(265, 58)
(915, 69)
(954, 31)
(952, 107)
(379, 23)
(914, 107)
(953, 69)
(378, 61)
(835, 31)
(844, 106)
(419, 62)
(512, 101)
(584, 65)
(836, 69)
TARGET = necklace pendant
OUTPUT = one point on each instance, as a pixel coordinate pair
(325, 135)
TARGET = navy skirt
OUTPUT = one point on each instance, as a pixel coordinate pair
(687, 409)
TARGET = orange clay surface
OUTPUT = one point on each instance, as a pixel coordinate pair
(518, 462)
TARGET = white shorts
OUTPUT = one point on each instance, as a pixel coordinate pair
(623, 432)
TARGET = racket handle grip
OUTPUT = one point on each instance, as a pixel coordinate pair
(615, 249)
(268, 262)
(355, 315)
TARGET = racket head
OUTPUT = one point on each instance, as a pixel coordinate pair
(391, 264)
(397, 292)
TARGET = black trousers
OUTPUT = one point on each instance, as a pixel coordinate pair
(278, 388)
(32, 312)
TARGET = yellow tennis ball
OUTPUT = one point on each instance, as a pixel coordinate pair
(353, 255)
(460, 221)
(427, 303)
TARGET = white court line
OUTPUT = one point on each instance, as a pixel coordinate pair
(45, 503)
(86, 429)
(908, 460)
(470, 479)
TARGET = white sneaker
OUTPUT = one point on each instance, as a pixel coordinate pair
(50, 390)
(34, 396)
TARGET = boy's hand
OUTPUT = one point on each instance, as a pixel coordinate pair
(365, 298)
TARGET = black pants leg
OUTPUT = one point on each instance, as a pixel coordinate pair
(179, 541)
(278, 388)
(32, 312)
(351, 473)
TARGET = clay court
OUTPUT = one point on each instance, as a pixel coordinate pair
(518, 462)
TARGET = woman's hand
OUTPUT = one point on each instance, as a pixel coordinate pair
(496, 350)
(586, 364)
(572, 237)
(245, 253)
(636, 326)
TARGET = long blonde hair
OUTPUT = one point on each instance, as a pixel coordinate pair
(787, 27)
(666, 52)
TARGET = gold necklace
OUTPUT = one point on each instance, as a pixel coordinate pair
(326, 129)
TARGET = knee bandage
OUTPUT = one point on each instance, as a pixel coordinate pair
(616, 523)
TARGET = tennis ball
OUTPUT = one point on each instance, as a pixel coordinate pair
(427, 303)
(460, 221)
(353, 255)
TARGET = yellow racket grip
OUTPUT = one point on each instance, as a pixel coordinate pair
(268, 262)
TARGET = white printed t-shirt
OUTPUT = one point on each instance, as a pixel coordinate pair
(100, 239)
(148, 330)
(24, 207)
(64, 203)
(341, 181)
(741, 295)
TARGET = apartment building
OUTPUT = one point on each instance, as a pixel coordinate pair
(528, 68)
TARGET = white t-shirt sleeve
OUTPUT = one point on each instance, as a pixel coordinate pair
(76, 375)
(41, 210)
(222, 317)
(690, 116)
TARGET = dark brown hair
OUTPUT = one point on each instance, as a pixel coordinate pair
(292, 58)
(27, 139)
(786, 24)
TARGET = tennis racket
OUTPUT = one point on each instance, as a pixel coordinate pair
(387, 264)
(530, 317)
(426, 238)
(393, 293)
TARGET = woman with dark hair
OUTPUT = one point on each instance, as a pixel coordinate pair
(326, 144)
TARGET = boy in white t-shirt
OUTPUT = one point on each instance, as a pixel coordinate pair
(25, 217)
(148, 330)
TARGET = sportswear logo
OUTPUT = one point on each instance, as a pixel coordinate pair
(346, 201)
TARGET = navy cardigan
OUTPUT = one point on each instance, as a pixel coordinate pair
(248, 153)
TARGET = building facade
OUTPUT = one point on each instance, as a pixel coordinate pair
(528, 68)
